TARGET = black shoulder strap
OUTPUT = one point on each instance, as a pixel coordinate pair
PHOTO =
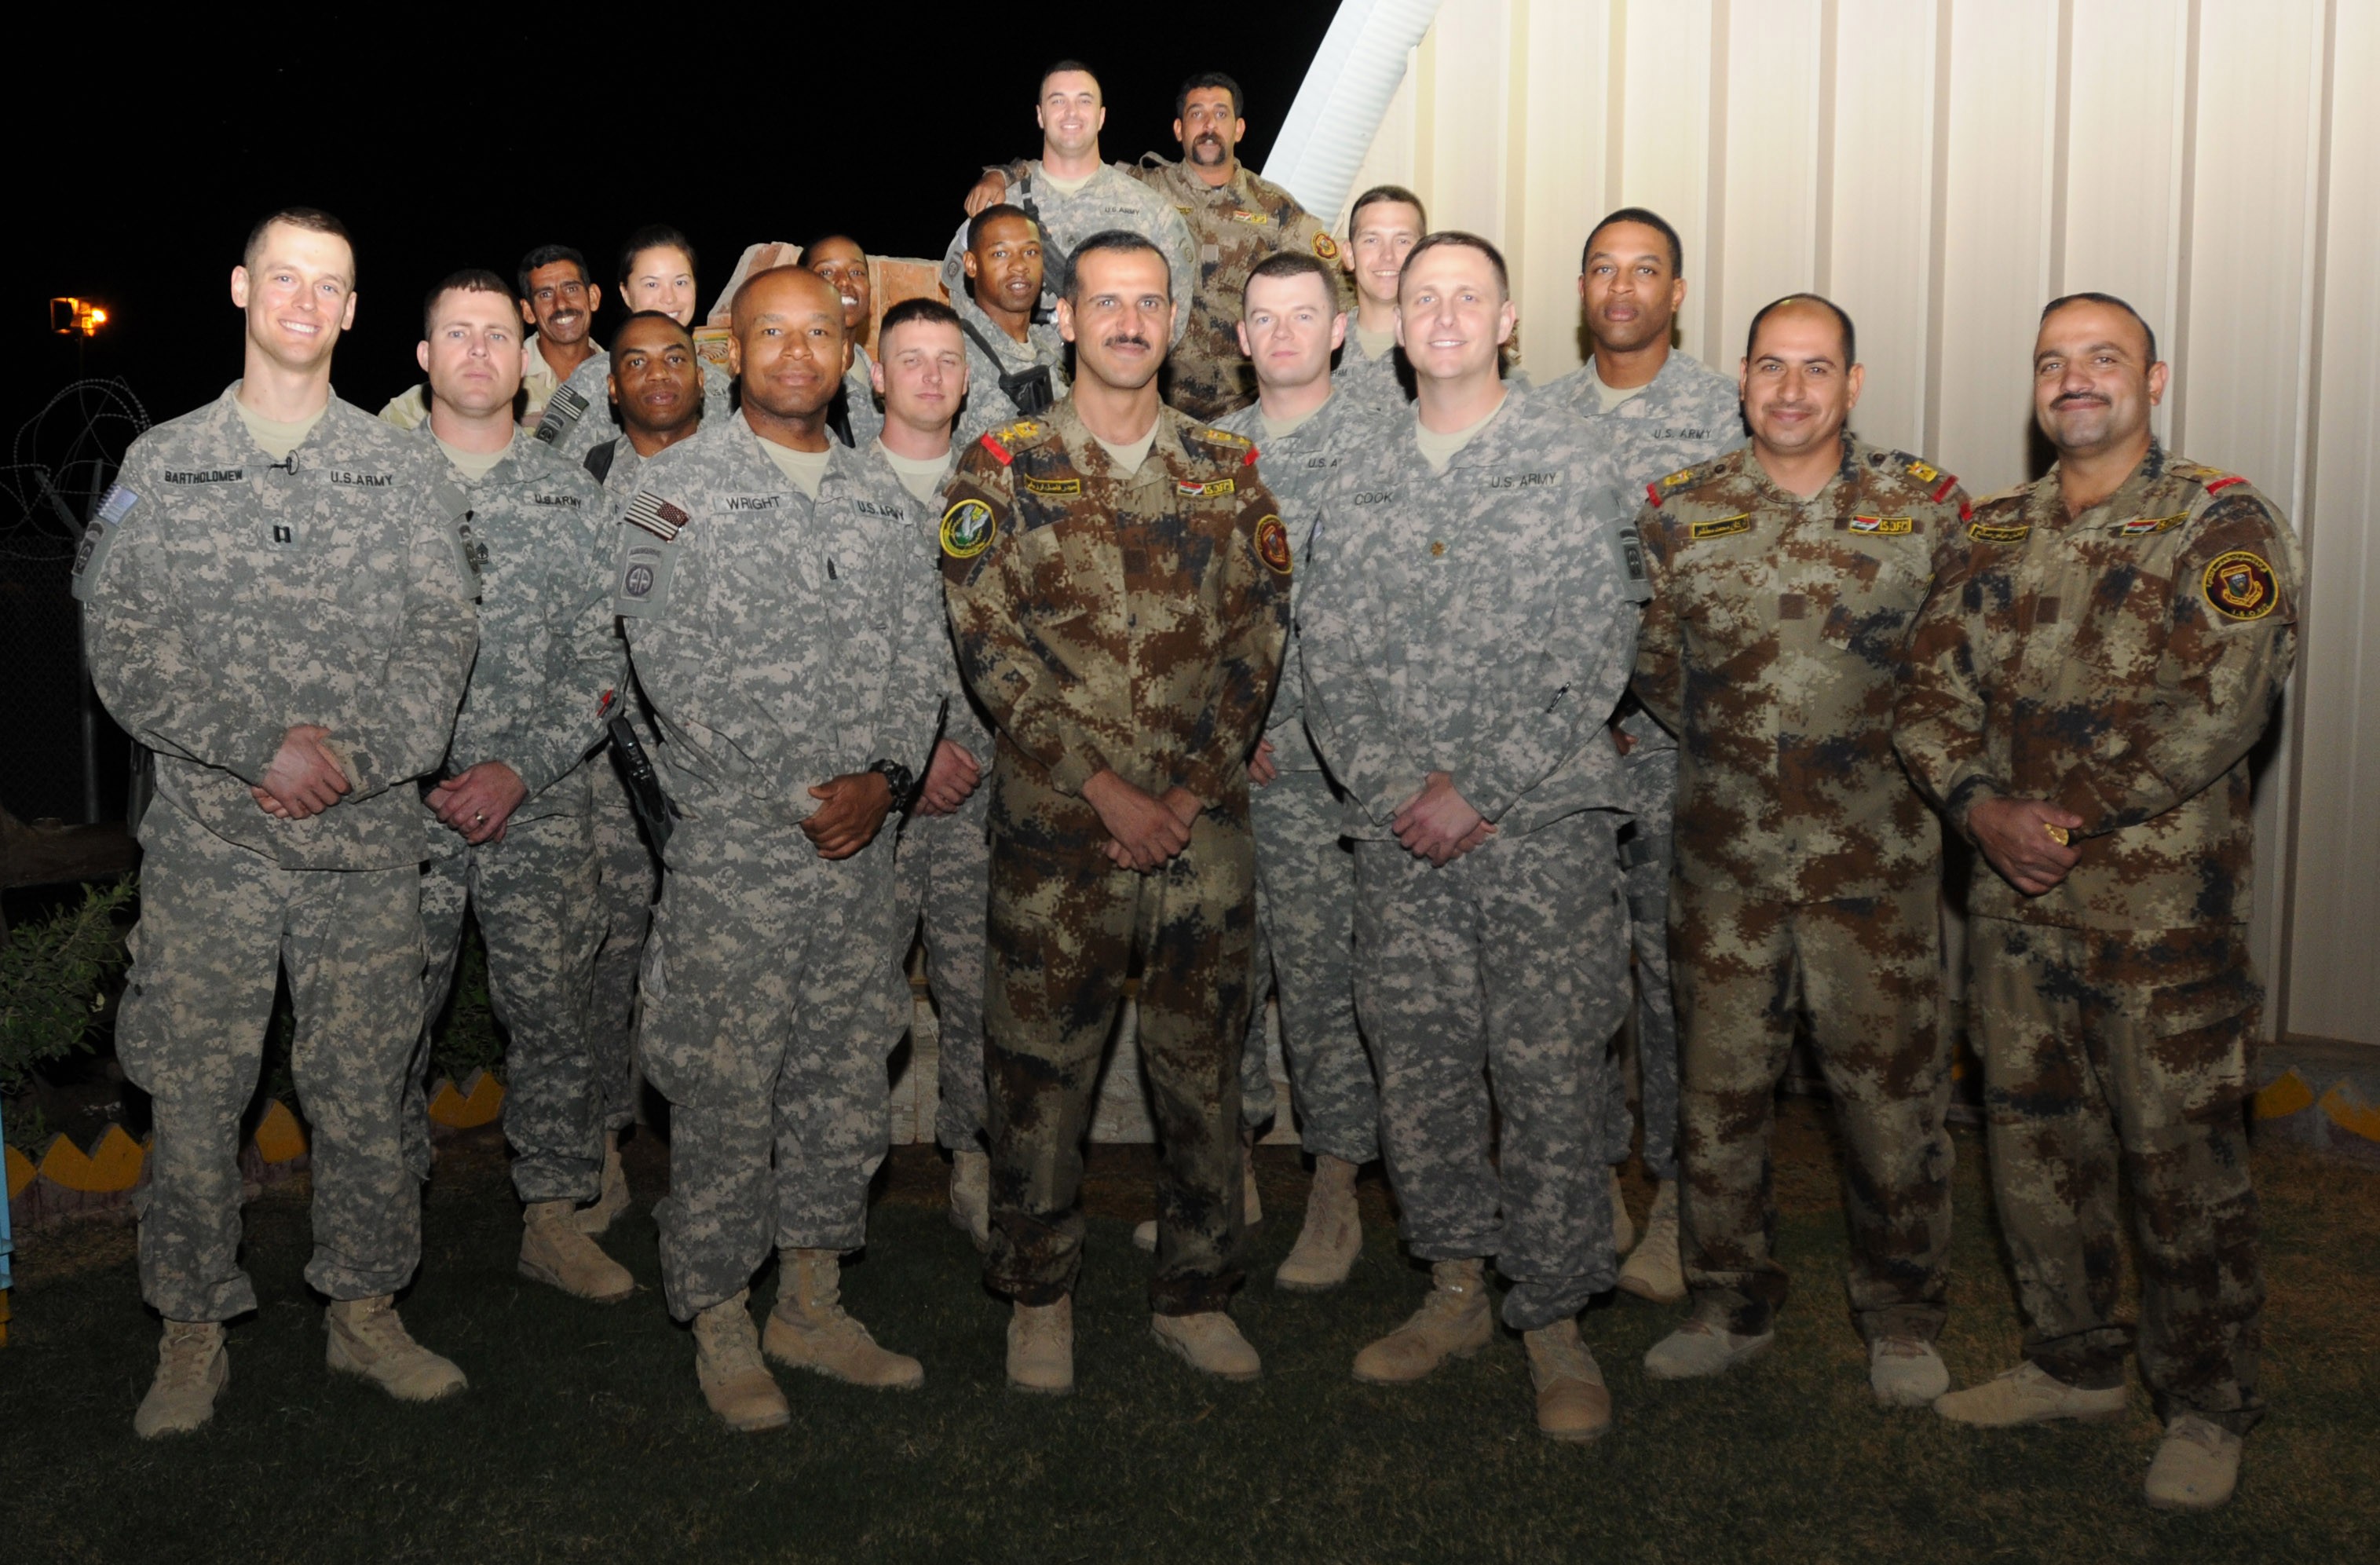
(598, 459)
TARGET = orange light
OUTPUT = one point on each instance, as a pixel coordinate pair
(68, 316)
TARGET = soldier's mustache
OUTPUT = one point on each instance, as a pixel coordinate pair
(1127, 342)
(2071, 398)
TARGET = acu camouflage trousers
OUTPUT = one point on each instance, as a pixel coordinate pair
(944, 871)
(772, 999)
(1066, 924)
(534, 895)
(628, 878)
(1305, 922)
(1645, 861)
(218, 923)
(2123, 1056)
(1863, 974)
(1506, 968)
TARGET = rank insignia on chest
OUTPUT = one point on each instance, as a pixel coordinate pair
(657, 516)
(2141, 525)
(1985, 532)
(967, 529)
(2240, 586)
(1272, 544)
(1884, 527)
(1190, 489)
(1325, 247)
(1067, 487)
(1725, 527)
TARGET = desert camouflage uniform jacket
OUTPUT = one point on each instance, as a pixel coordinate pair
(228, 597)
(1481, 623)
(2120, 664)
(1776, 640)
(1112, 623)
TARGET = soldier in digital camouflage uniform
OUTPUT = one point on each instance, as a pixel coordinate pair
(838, 258)
(512, 835)
(1466, 633)
(1305, 871)
(2083, 699)
(1383, 226)
(1662, 411)
(1786, 577)
(656, 273)
(276, 605)
(655, 391)
(1072, 195)
(1119, 809)
(783, 625)
(1004, 266)
(1235, 220)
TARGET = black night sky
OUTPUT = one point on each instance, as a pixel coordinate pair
(446, 137)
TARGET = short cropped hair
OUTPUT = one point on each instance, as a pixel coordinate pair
(1842, 319)
(933, 311)
(2093, 297)
(314, 220)
(1200, 82)
(1457, 239)
(983, 220)
(653, 236)
(471, 280)
(1650, 219)
(544, 255)
(1121, 241)
(833, 234)
(1293, 263)
(675, 324)
(1059, 68)
(1379, 193)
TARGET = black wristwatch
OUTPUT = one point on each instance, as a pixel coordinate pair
(903, 782)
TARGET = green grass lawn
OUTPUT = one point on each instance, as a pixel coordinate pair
(583, 1435)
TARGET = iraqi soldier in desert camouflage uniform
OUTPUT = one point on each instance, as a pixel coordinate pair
(1121, 601)
(784, 629)
(1017, 366)
(1305, 872)
(1383, 226)
(656, 273)
(1235, 220)
(2083, 699)
(1465, 634)
(1662, 411)
(276, 605)
(944, 860)
(512, 836)
(1786, 577)
(655, 391)
(1072, 195)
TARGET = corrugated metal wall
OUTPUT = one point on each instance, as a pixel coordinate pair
(1941, 168)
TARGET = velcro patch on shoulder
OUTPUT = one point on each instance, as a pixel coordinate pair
(2240, 586)
(1990, 532)
(967, 529)
(657, 516)
(1723, 526)
(1272, 544)
(1325, 247)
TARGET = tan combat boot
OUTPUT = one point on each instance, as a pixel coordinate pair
(809, 1330)
(556, 1250)
(1451, 1323)
(1572, 1402)
(1333, 1233)
(1209, 1342)
(1654, 1269)
(193, 1370)
(366, 1339)
(614, 1198)
(1041, 1347)
(971, 1194)
(1700, 1348)
(2029, 1394)
(727, 1363)
(1624, 1227)
(2196, 1467)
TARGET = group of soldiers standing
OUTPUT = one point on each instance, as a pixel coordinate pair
(1143, 606)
